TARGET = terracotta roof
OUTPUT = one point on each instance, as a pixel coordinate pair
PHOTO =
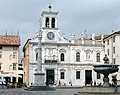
(9, 40)
(98, 37)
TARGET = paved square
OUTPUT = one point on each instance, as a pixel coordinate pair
(20, 91)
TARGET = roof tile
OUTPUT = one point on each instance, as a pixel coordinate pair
(9, 40)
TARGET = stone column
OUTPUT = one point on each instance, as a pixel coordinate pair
(39, 74)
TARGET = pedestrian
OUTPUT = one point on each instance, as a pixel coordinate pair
(91, 83)
(70, 82)
(94, 83)
(31, 83)
(114, 81)
(59, 83)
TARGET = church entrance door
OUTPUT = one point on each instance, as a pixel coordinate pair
(50, 77)
(88, 77)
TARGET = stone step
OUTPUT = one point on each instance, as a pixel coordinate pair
(39, 88)
(85, 93)
(99, 91)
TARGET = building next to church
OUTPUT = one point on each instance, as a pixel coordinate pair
(112, 49)
(64, 62)
(9, 58)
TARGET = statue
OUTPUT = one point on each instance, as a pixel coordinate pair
(106, 60)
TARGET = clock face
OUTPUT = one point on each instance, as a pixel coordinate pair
(50, 35)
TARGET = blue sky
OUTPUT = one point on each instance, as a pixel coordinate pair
(75, 16)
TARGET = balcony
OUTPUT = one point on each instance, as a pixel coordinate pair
(51, 59)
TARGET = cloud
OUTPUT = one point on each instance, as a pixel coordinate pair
(98, 16)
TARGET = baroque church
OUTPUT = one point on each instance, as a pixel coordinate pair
(64, 62)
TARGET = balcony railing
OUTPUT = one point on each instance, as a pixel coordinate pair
(50, 59)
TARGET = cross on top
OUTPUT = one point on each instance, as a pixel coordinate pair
(50, 6)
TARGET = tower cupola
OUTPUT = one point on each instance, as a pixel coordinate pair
(49, 19)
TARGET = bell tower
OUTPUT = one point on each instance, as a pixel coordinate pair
(49, 25)
(49, 19)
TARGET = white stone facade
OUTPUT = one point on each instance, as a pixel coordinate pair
(65, 62)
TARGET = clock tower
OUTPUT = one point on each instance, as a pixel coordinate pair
(49, 25)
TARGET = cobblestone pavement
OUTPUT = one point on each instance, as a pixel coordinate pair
(20, 91)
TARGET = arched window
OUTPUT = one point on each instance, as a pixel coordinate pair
(10, 67)
(78, 57)
(62, 57)
(77, 74)
(36, 56)
(62, 73)
(14, 66)
(53, 23)
(98, 57)
(47, 22)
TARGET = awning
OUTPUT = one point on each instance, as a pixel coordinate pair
(10, 75)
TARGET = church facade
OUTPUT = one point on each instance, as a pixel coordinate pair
(64, 62)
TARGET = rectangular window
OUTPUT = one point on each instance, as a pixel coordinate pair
(0, 54)
(98, 75)
(77, 74)
(113, 49)
(0, 47)
(107, 42)
(114, 61)
(108, 51)
(62, 75)
(14, 66)
(14, 55)
(14, 48)
(113, 38)
(0, 66)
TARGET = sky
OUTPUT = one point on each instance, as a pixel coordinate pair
(75, 16)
